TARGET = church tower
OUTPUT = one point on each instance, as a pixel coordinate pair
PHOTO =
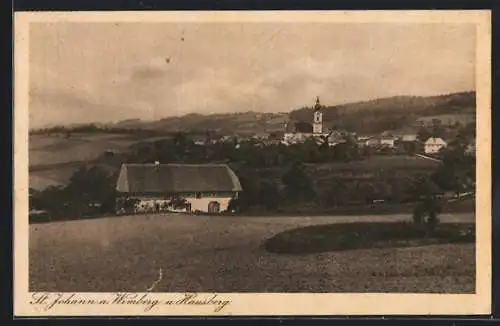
(318, 118)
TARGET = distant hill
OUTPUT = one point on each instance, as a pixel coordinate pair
(129, 123)
(241, 123)
(363, 117)
(368, 116)
(392, 113)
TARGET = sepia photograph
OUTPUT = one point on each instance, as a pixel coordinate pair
(230, 158)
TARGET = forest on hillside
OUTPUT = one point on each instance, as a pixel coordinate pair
(391, 113)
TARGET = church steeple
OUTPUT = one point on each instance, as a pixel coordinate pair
(317, 118)
(317, 105)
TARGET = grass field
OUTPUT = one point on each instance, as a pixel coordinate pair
(53, 159)
(377, 162)
(45, 150)
(227, 254)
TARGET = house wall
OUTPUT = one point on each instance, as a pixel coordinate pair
(433, 148)
(201, 204)
(317, 128)
(387, 142)
(373, 142)
(295, 138)
(148, 205)
(152, 204)
(409, 137)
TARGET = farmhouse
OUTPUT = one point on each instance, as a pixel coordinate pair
(176, 187)
(434, 145)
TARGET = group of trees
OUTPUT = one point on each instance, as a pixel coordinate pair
(297, 189)
(181, 148)
(90, 192)
(93, 128)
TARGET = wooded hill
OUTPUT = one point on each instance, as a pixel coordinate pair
(391, 113)
(363, 117)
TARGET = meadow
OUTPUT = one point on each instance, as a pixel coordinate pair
(57, 149)
(54, 158)
(228, 254)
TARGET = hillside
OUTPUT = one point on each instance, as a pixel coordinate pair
(392, 113)
(54, 158)
(241, 123)
(363, 117)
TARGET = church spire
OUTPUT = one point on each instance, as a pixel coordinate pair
(317, 118)
(317, 105)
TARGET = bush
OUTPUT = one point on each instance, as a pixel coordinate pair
(366, 235)
(425, 215)
(90, 192)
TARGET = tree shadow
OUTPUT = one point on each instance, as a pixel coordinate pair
(350, 236)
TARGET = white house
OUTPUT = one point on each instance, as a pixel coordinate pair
(373, 142)
(387, 141)
(410, 137)
(434, 145)
(197, 187)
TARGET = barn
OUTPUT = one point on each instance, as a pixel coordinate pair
(147, 188)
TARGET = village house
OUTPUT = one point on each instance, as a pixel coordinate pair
(297, 132)
(362, 141)
(387, 141)
(260, 136)
(373, 142)
(335, 138)
(407, 135)
(226, 139)
(176, 187)
(413, 137)
(200, 140)
(271, 142)
(433, 145)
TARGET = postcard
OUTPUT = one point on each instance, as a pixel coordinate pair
(204, 163)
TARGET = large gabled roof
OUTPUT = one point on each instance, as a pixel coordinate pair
(177, 178)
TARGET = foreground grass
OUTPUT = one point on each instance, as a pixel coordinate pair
(225, 254)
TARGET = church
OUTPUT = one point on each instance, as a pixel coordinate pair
(299, 132)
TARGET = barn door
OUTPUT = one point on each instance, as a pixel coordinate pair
(213, 207)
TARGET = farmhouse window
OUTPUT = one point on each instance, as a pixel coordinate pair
(198, 195)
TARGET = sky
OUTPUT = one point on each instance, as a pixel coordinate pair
(104, 72)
